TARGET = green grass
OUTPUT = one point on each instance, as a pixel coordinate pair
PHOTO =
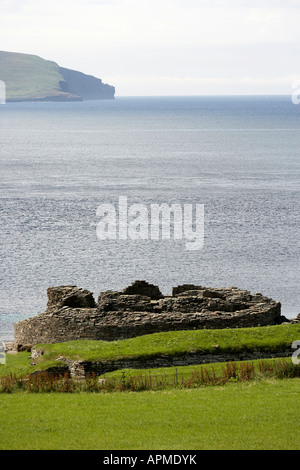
(183, 372)
(162, 379)
(29, 76)
(175, 343)
(272, 339)
(259, 414)
(19, 364)
(253, 416)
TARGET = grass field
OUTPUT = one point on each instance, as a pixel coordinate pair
(259, 415)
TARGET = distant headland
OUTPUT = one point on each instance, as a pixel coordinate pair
(31, 78)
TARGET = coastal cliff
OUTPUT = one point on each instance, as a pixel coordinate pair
(31, 78)
(85, 86)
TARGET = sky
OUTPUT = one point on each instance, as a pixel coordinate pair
(163, 47)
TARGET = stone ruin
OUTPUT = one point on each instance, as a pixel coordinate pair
(139, 309)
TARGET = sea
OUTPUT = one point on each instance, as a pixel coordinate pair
(235, 156)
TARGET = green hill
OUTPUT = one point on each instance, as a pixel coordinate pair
(270, 341)
(31, 78)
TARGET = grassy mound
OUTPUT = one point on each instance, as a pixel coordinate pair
(29, 77)
(176, 343)
(271, 340)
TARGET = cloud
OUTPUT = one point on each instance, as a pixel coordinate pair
(229, 39)
(166, 85)
(237, 3)
(144, 22)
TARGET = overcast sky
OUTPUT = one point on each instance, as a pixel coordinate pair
(163, 47)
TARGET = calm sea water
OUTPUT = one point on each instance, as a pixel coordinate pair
(239, 156)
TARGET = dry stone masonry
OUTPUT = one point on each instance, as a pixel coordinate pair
(73, 314)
